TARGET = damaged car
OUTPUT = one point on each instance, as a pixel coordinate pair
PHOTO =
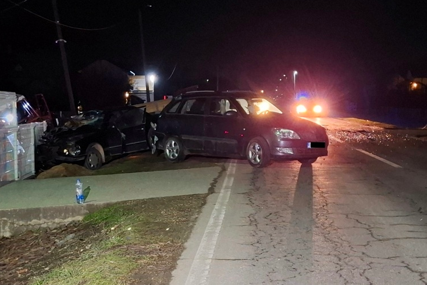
(236, 124)
(95, 137)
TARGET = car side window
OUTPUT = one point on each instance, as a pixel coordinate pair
(215, 107)
(116, 121)
(194, 106)
(133, 117)
(220, 106)
(127, 118)
(174, 108)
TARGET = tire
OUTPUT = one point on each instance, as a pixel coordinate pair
(258, 153)
(308, 160)
(174, 150)
(93, 159)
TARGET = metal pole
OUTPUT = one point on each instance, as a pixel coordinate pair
(147, 88)
(61, 42)
(295, 75)
(217, 78)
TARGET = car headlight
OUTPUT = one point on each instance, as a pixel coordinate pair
(286, 134)
(301, 109)
(72, 150)
(317, 109)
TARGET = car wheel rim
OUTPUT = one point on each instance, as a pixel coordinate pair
(255, 153)
(93, 160)
(172, 149)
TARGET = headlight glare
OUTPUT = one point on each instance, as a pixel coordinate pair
(301, 109)
(286, 134)
(317, 109)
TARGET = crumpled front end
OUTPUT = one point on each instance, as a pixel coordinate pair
(56, 148)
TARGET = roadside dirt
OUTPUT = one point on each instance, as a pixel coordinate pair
(65, 170)
(155, 245)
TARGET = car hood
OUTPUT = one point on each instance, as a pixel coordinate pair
(287, 122)
(64, 134)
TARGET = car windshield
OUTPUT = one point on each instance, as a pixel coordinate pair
(257, 106)
(91, 118)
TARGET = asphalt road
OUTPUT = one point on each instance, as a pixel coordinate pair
(354, 217)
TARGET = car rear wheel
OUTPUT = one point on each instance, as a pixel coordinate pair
(308, 160)
(93, 159)
(173, 149)
(258, 153)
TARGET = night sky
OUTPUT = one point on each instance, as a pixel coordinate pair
(337, 47)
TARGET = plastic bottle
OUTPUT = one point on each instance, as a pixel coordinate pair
(79, 192)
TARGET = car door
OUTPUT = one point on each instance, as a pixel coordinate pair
(191, 124)
(113, 134)
(223, 130)
(133, 130)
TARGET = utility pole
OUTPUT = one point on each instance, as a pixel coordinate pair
(61, 42)
(217, 78)
(147, 88)
(295, 75)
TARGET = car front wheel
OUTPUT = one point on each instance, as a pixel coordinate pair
(173, 149)
(93, 159)
(258, 153)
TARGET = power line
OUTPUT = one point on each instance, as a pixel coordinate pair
(14, 6)
(173, 71)
(51, 21)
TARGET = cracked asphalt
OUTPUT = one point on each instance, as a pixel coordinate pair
(350, 218)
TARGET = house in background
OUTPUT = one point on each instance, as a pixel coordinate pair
(100, 85)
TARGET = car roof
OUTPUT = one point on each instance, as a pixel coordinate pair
(203, 93)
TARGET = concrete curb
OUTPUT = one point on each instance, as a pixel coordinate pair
(16, 221)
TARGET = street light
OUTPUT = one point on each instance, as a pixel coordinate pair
(295, 75)
(152, 78)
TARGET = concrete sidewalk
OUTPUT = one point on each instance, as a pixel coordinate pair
(31, 203)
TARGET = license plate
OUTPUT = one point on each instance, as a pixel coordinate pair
(316, 145)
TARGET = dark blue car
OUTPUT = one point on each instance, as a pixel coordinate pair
(236, 124)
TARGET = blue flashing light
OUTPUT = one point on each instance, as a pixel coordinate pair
(302, 95)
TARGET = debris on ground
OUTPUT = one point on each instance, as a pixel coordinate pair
(65, 170)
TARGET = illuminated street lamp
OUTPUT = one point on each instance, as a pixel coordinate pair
(152, 78)
(295, 75)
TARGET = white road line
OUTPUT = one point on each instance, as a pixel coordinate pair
(198, 274)
(331, 137)
(379, 158)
